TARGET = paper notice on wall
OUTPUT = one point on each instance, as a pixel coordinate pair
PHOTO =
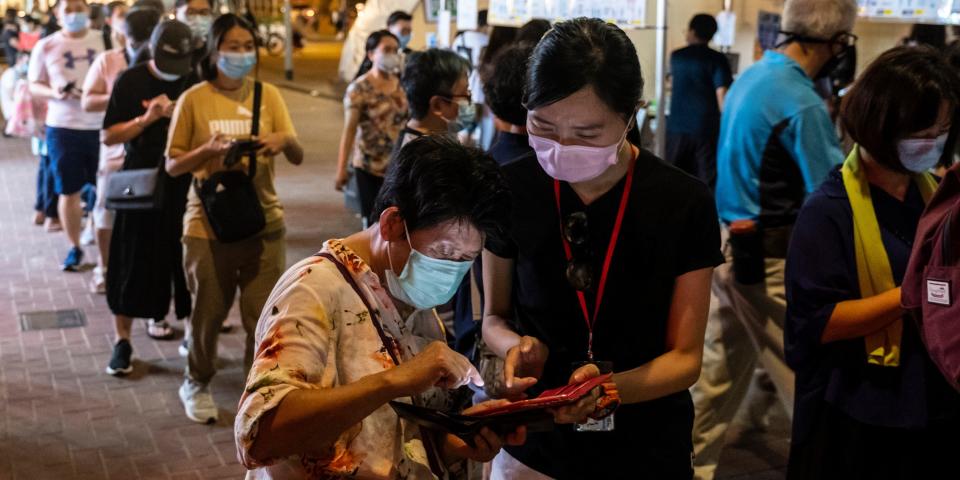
(626, 13)
(726, 29)
(443, 28)
(466, 15)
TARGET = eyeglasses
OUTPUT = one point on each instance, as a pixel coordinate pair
(453, 98)
(579, 268)
(846, 39)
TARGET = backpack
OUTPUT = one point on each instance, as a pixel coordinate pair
(931, 284)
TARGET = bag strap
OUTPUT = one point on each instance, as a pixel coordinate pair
(255, 125)
(428, 442)
(374, 314)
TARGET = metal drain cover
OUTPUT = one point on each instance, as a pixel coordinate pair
(52, 319)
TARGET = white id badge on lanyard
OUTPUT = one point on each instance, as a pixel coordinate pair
(603, 425)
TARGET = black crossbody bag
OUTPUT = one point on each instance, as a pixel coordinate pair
(230, 198)
(139, 188)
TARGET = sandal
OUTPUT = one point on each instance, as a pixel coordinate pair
(160, 330)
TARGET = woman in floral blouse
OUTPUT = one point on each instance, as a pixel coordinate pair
(335, 343)
(375, 110)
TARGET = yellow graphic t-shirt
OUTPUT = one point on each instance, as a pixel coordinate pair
(203, 111)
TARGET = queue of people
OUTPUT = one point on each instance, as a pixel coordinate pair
(773, 248)
(160, 123)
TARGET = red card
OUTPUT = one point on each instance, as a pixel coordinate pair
(551, 398)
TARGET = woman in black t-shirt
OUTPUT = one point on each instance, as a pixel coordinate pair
(608, 261)
(146, 269)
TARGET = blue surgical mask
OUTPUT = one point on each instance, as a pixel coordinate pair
(76, 22)
(466, 116)
(404, 40)
(425, 282)
(921, 154)
(236, 65)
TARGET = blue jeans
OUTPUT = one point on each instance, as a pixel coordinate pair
(46, 194)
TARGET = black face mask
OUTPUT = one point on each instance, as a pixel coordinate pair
(831, 66)
(847, 49)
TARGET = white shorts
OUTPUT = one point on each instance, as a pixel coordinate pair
(102, 218)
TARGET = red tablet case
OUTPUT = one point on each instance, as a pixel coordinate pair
(551, 398)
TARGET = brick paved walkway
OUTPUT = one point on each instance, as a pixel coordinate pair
(61, 417)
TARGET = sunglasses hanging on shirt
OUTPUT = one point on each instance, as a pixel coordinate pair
(579, 270)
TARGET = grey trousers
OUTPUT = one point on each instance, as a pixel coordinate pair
(744, 329)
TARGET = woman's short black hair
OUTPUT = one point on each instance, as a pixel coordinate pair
(500, 37)
(704, 26)
(373, 41)
(428, 73)
(932, 35)
(503, 80)
(223, 24)
(585, 52)
(434, 179)
(900, 93)
(533, 31)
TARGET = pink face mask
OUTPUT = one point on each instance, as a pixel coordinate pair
(574, 163)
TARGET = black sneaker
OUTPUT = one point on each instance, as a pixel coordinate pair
(73, 261)
(120, 361)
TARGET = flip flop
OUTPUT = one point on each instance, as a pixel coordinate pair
(160, 330)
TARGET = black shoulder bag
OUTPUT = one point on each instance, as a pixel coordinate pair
(230, 198)
(138, 188)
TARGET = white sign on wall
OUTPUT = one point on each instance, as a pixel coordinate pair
(466, 15)
(626, 13)
(938, 11)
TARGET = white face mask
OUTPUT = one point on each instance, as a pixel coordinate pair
(389, 63)
(919, 155)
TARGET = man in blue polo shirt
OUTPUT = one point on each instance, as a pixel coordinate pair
(777, 145)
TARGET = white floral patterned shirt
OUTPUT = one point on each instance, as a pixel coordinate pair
(315, 333)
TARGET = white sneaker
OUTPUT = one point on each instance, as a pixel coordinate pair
(198, 402)
(88, 236)
(98, 284)
(183, 350)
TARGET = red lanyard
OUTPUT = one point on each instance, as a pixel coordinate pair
(606, 261)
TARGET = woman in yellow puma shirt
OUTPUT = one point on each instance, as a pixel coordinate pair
(208, 119)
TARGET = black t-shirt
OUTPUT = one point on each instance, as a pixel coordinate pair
(134, 87)
(670, 228)
(697, 71)
(508, 147)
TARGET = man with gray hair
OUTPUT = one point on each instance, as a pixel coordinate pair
(777, 144)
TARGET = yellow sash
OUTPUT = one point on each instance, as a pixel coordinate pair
(873, 265)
